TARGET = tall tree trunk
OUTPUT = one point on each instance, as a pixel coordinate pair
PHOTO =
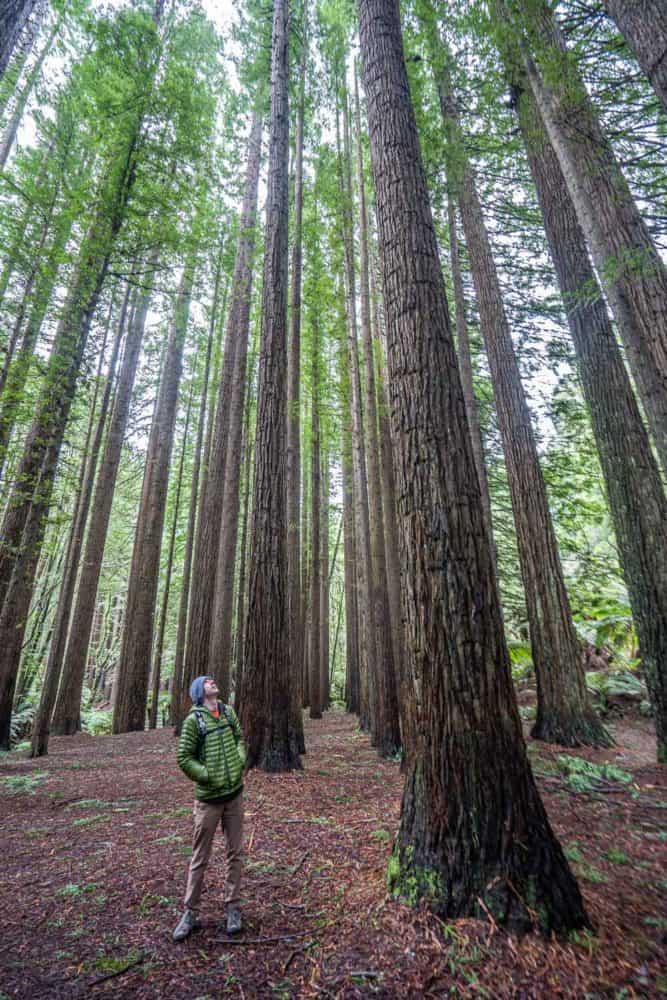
(352, 667)
(315, 671)
(14, 15)
(324, 583)
(29, 504)
(266, 696)
(159, 642)
(40, 732)
(465, 366)
(28, 39)
(137, 642)
(643, 24)
(12, 126)
(207, 540)
(473, 829)
(632, 478)
(388, 733)
(247, 451)
(66, 715)
(177, 694)
(564, 714)
(634, 275)
(294, 420)
(364, 559)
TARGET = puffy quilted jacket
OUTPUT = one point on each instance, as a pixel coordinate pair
(215, 762)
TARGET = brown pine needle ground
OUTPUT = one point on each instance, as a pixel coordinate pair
(95, 843)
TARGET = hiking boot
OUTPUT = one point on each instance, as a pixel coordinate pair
(234, 922)
(186, 925)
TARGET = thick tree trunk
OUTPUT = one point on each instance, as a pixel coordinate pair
(207, 540)
(632, 478)
(294, 420)
(387, 728)
(40, 732)
(564, 714)
(137, 642)
(473, 832)
(66, 715)
(14, 15)
(266, 695)
(634, 275)
(643, 24)
(247, 450)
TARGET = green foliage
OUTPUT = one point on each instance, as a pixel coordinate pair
(19, 784)
(97, 722)
(584, 776)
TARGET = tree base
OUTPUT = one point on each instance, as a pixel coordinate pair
(68, 727)
(524, 893)
(275, 759)
(584, 729)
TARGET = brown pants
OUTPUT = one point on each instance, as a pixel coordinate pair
(207, 817)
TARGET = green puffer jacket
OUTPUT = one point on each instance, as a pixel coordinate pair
(217, 765)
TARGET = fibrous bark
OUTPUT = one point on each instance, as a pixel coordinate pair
(266, 695)
(643, 24)
(473, 827)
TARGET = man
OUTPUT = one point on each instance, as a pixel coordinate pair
(211, 752)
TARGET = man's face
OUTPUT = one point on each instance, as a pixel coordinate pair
(210, 688)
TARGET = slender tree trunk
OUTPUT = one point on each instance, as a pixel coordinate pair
(315, 671)
(633, 274)
(473, 832)
(294, 421)
(132, 682)
(243, 582)
(632, 478)
(159, 643)
(465, 366)
(364, 559)
(324, 584)
(12, 126)
(40, 733)
(643, 24)
(352, 667)
(14, 15)
(177, 694)
(266, 696)
(207, 541)
(388, 733)
(305, 575)
(29, 503)
(66, 716)
(28, 39)
(564, 714)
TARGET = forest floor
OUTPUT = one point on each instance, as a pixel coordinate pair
(95, 845)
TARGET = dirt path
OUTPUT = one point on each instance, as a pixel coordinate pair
(95, 843)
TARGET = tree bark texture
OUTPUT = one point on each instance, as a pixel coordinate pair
(266, 696)
(137, 642)
(207, 539)
(294, 418)
(643, 24)
(177, 694)
(324, 582)
(564, 714)
(352, 667)
(14, 15)
(9, 133)
(315, 672)
(472, 824)
(633, 274)
(634, 489)
(387, 728)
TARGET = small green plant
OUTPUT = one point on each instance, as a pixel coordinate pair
(113, 963)
(573, 854)
(171, 838)
(96, 722)
(17, 784)
(88, 804)
(618, 857)
(381, 835)
(583, 776)
(89, 820)
(71, 889)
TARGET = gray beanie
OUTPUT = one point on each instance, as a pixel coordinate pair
(197, 689)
